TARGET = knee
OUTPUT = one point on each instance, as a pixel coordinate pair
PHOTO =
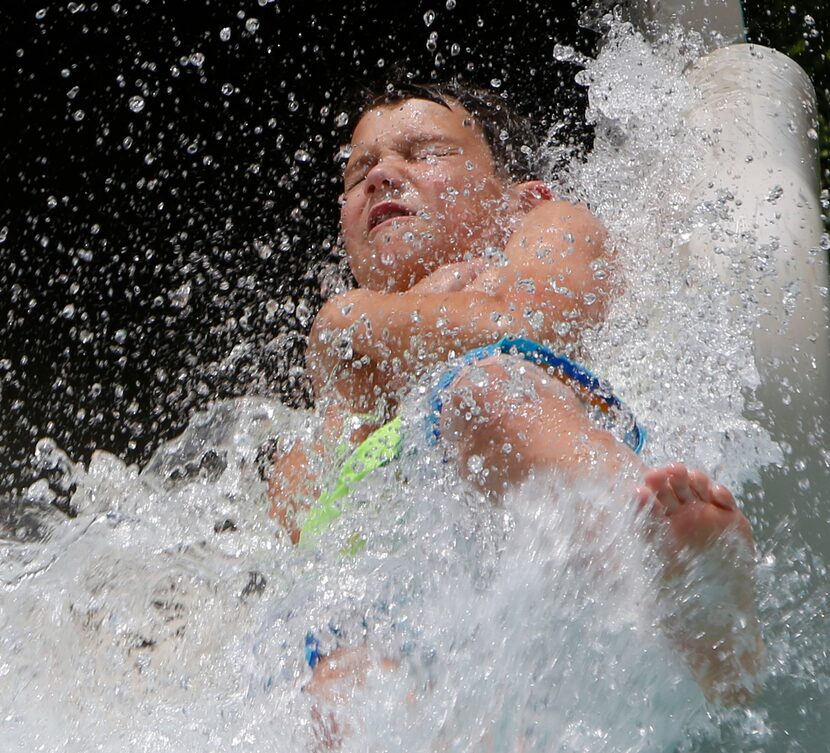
(500, 389)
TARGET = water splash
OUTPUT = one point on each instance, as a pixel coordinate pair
(168, 613)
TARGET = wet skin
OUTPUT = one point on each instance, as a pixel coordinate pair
(426, 288)
(425, 174)
(422, 200)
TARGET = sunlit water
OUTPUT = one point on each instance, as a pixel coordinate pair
(170, 615)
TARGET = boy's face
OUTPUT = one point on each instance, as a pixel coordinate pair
(420, 191)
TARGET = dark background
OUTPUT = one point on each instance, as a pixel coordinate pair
(161, 252)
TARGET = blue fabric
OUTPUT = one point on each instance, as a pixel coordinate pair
(312, 650)
(531, 351)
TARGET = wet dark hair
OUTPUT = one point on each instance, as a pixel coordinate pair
(509, 135)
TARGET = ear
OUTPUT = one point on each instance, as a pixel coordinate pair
(529, 194)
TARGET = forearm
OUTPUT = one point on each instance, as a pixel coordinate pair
(551, 283)
(407, 329)
(293, 481)
(388, 334)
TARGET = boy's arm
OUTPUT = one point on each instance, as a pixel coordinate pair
(294, 474)
(552, 275)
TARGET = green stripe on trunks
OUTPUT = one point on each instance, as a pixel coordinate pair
(382, 446)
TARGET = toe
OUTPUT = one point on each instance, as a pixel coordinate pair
(658, 481)
(646, 501)
(679, 480)
(722, 497)
(700, 484)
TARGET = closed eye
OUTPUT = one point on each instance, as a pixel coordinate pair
(355, 180)
(434, 151)
(356, 173)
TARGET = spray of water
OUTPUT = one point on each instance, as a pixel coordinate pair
(168, 614)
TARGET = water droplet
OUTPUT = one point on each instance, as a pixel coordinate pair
(136, 103)
(776, 192)
(455, 48)
(429, 17)
(68, 311)
(432, 41)
(180, 297)
(341, 119)
(450, 4)
(78, 115)
(475, 464)
(85, 336)
(303, 313)
(812, 134)
(225, 33)
(41, 14)
(227, 89)
(73, 92)
(263, 249)
(301, 155)
(563, 52)
(495, 83)
(120, 336)
(252, 25)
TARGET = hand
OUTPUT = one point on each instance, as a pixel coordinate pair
(289, 484)
(450, 278)
(333, 342)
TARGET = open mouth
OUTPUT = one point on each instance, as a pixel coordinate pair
(386, 211)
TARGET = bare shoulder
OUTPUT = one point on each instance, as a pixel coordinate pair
(558, 226)
(564, 216)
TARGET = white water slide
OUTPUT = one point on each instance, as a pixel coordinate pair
(758, 110)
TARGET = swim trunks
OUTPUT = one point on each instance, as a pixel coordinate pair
(384, 445)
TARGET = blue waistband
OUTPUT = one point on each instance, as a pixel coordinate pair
(532, 351)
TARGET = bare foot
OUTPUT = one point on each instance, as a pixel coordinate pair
(334, 682)
(708, 556)
(696, 510)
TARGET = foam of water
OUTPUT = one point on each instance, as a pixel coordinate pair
(169, 614)
(674, 345)
(139, 625)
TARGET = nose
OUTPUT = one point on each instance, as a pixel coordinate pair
(385, 174)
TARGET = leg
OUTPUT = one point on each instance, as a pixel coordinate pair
(335, 680)
(508, 419)
(708, 558)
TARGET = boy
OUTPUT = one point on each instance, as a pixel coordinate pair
(454, 249)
